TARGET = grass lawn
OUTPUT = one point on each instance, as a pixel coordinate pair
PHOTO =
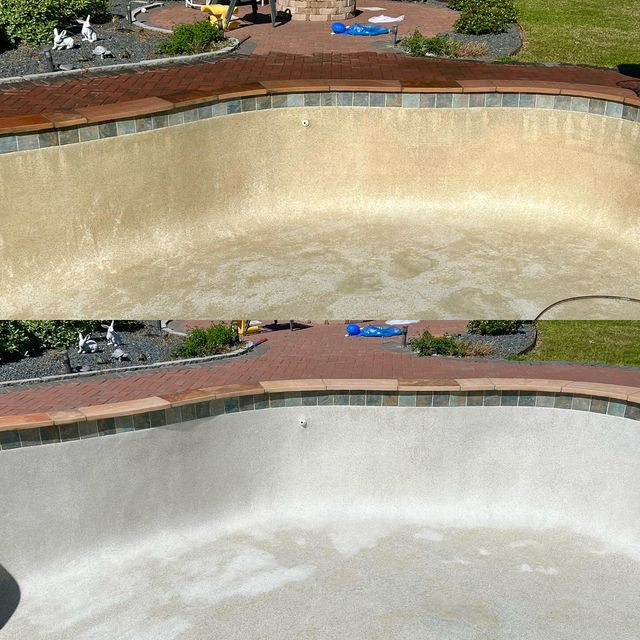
(603, 341)
(596, 32)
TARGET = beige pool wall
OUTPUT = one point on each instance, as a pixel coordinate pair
(440, 212)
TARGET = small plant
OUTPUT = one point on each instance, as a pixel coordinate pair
(486, 16)
(419, 46)
(473, 50)
(188, 39)
(458, 5)
(429, 345)
(494, 327)
(209, 341)
(125, 55)
(478, 349)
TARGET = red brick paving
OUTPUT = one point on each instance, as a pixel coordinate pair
(317, 37)
(322, 351)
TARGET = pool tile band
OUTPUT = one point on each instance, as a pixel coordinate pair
(26, 133)
(101, 420)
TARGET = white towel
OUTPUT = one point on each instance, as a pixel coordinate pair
(386, 19)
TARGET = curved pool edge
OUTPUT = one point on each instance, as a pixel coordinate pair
(54, 427)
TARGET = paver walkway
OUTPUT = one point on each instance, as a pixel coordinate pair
(68, 93)
(321, 351)
(316, 37)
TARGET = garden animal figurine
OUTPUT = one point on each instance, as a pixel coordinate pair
(113, 337)
(88, 32)
(102, 52)
(86, 344)
(62, 41)
(218, 15)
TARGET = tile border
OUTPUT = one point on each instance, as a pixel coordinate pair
(86, 124)
(157, 411)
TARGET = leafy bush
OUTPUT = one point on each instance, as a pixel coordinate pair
(187, 39)
(417, 45)
(494, 327)
(207, 342)
(19, 338)
(486, 16)
(458, 5)
(429, 345)
(32, 21)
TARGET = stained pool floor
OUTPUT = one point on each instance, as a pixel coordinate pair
(367, 581)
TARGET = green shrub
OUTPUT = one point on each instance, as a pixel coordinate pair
(486, 16)
(19, 338)
(417, 45)
(32, 21)
(187, 39)
(458, 5)
(494, 327)
(207, 342)
(428, 345)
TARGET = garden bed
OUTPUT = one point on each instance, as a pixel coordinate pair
(127, 42)
(504, 345)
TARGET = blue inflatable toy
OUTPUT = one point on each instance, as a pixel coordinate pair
(380, 332)
(359, 29)
(353, 329)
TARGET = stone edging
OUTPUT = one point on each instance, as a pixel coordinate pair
(248, 345)
(157, 411)
(28, 132)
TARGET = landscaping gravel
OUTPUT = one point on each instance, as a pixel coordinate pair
(127, 43)
(144, 346)
(505, 345)
(498, 44)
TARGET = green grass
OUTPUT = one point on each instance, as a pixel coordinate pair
(596, 32)
(603, 341)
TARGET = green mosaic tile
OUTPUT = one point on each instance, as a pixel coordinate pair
(475, 398)
(427, 100)
(202, 409)
(510, 99)
(293, 399)
(491, 398)
(341, 398)
(376, 99)
(89, 133)
(10, 440)
(616, 408)
(357, 398)
(143, 421)
(423, 399)
(108, 130)
(248, 104)
(460, 100)
(69, 432)
(49, 435)
(563, 401)
(309, 398)
(407, 399)
(188, 412)
(189, 115)
(124, 127)
(172, 415)
(106, 426)
(389, 398)
(476, 99)
(545, 400)
(373, 399)
(161, 121)
(329, 99)
(411, 100)
(276, 400)
(261, 401)
(231, 405)
(526, 399)
(509, 398)
(234, 106)
(88, 429)
(345, 98)
(581, 403)
(613, 109)
(562, 102)
(599, 405)
(440, 398)
(493, 100)
(597, 106)
(27, 142)
(629, 112)
(246, 403)
(8, 144)
(295, 100)
(207, 111)
(279, 101)
(216, 407)
(544, 101)
(158, 418)
(527, 100)
(48, 139)
(457, 399)
(632, 412)
(175, 118)
(263, 102)
(325, 398)
(144, 124)
(312, 99)
(124, 423)
(392, 99)
(579, 104)
(360, 98)
(30, 437)
(444, 100)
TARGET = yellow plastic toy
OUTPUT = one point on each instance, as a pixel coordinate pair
(219, 15)
(246, 327)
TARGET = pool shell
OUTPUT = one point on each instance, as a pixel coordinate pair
(524, 456)
(491, 201)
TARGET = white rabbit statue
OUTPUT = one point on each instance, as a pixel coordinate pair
(88, 32)
(62, 40)
(113, 337)
(86, 344)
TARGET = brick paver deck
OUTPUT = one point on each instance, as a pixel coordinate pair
(321, 351)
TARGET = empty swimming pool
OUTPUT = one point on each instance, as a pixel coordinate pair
(478, 515)
(455, 205)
